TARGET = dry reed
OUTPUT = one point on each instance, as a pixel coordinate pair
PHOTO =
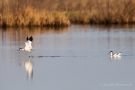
(31, 17)
(62, 13)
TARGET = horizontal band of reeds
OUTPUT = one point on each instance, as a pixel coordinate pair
(29, 17)
(63, 12)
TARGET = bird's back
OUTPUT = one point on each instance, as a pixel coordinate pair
(27, 46)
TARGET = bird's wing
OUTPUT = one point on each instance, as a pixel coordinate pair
(27, 39)
(31, 38)
(119, 54)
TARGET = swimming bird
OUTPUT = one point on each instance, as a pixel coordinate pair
(116, 54)
(28, 46)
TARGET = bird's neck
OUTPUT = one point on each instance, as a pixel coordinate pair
(111, 54)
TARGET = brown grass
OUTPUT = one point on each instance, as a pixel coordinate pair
(62, 13)
(31, 17)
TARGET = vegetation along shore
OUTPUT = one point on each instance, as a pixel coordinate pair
(65, 12)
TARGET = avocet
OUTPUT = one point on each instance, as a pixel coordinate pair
(28, 46)
(115, 54)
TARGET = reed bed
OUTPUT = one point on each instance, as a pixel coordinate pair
(31, 17)
(63, 13)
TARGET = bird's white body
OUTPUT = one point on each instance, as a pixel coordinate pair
(28, 46)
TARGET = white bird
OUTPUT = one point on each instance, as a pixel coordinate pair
(116, 54)
(28, 46)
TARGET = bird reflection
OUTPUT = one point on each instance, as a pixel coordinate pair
(29, 70)
(115, 58)
(28, 65)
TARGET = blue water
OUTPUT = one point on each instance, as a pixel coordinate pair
(72, 58)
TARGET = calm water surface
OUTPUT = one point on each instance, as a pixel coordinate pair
(73, 58)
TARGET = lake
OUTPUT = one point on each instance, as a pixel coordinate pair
(71, 58)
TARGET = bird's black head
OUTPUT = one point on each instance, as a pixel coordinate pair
(20, 48)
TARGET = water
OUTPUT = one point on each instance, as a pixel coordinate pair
(73, 58)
